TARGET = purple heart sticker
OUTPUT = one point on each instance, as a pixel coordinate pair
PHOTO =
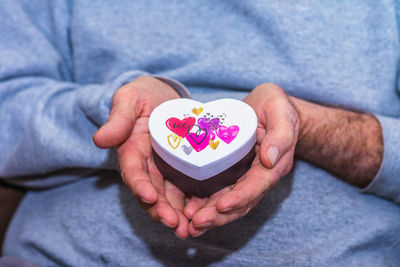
(208, 124)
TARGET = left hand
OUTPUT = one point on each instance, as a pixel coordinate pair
(277, 134)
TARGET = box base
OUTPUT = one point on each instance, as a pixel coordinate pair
(209, 186)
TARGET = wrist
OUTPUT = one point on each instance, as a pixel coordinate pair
(149, 85)
(346, 143)
(310, 116)
(179, 88)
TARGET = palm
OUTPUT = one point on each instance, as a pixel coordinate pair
(140, 173)
(236, 201)
(127, 130)
(213, 208)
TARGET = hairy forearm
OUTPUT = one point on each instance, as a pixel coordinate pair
(346, 143)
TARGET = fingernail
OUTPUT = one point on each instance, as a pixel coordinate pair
(200, 233)
(165, 223)
(273, 154)
(189, 214)
(145, 201)
(181, 238)
(204, 225)
(228, 209)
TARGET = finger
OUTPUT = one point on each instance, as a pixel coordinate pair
(139, 183)
(194, 205)
(210, 216)
(142, 176)
(280, 120)
(181, 230)
(216, 219)
(156, 178)
(120, 122)
(254, 185)
(135, 170)
(238, 201)
(174, 196)
(168, 215)
(205, 216)
(162, 212)
(156, 205)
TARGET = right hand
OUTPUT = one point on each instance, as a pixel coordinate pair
(127, 131)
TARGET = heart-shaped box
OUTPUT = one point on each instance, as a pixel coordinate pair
(203, 147)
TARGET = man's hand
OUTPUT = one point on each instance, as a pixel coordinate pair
(277, 133)
(127, 131)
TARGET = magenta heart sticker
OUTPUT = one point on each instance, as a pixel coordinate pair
(227, 134)
(200, 138)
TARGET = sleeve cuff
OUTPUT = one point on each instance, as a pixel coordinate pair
(97, 105)
(177, 86)
(386, 183)
(95, 100)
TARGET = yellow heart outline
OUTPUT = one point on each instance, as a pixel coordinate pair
(213, 144)
(197, 111)
(174, 138)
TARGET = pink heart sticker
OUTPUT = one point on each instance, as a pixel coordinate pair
(180, 127)
(227, 134)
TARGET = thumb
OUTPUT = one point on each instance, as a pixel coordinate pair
(273, 146)
(281, 134)
(121, 121)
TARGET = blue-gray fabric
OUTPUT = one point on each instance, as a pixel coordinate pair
(16, 262)
(61, 62)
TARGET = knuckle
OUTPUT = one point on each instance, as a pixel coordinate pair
(270, 181)
(283, 170)
(152, 213)
(244, 211)
(120, 94)
(173, 191)
(278, 103)
(125, 174)
(129, 92)
(134, 186)
(285, 137)
(267, 184)
(287, 168)
(144, 79)
(126, 116)
(270, 87)
(243, 204)
(294, 118)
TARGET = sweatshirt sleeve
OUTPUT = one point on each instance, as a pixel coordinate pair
(46, 119)
(386, 183)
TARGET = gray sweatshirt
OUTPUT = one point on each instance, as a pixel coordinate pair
(61, 62)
